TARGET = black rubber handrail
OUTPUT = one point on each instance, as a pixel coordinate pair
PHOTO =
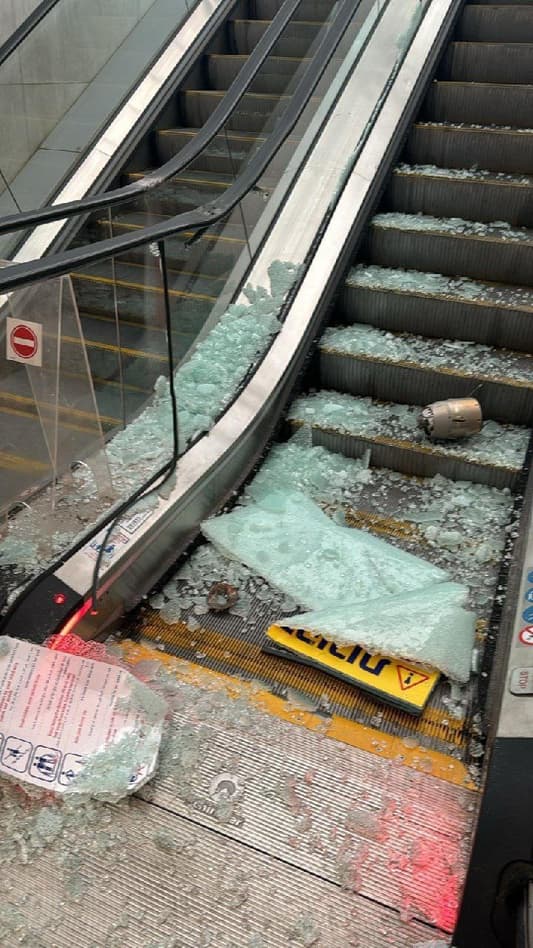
(216, 121)
(25, 28)
(200, 218)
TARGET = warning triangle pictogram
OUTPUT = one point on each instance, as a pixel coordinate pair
(409, 678)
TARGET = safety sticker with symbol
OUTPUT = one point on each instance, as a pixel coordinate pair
(72, 766)
(526, 635)
(16, 754)
(409, 678)
(45, 762)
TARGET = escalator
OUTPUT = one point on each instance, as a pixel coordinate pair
(435, 304)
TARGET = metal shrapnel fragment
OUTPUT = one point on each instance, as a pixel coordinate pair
(453, 418)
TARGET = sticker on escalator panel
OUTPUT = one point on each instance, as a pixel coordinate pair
(399, 683)
(525, 636)
(117, 540)
(528, 595)
(522, 681)
(530, 576)
(527, 614)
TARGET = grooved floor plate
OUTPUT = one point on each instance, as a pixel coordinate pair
(209, 891)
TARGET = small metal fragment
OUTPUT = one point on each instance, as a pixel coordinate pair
(453, 418)
(222, 596)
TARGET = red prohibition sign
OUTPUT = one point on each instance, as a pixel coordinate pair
(24, 341)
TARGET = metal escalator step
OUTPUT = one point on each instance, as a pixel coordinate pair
(473, 195)
(434, 305)
(314, 10)
(209, 254)
(365, 360)
(141, 357)
(252, 115)
(480, 103)
(191, 189)
(139, 294)
(274, 76)
(488, 62)
(495, 23)
(295, 41)
(225, 153)
(452, 247)
(466, 146)
(351, 425)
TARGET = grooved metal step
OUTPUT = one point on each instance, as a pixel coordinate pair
(448, 192)
(139, 295)
(352, 425)
(210, 253)
(480, 103)
(452, 247)
(296, 40)
(495, 23)
(255, 109)
(488, 62)
(274, 76)
(225, 154)
(466, 146)
(364, 360)
(434, 305)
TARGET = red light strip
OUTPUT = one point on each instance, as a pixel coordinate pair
(71, 623)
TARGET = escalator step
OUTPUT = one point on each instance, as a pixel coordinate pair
(481, 103)
(273, 77)
(364, 360)
(464, 146)
(495, 23)
(472, 195)
(452, 247)
(488, 62)
(225, 154)
(189, 191)
(254, 111)
(351, 425)
(209, 254)
(296, 40)
(435, 305)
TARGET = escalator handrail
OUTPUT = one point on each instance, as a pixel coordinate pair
(204, 216)
(215, 123)
(24, 29)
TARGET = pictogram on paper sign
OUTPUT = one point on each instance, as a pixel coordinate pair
(57, 711)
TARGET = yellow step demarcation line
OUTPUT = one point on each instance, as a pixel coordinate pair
(183, 179)
(102, 318)
(27, 401)
(141, 286)
(25, 414)
(337, 728)
(14, 462)
(187, 273)
(496, 304)
(126, 225)
(244, 656)
(94, 344)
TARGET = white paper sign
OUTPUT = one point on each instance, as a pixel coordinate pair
(56, 710)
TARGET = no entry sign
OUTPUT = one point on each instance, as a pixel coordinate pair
(24, 341)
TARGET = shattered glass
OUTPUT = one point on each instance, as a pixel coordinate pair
(428, 626)
(288, 540)
(469, 358)
(496, 444)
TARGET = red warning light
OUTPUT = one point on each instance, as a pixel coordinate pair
(59, 598)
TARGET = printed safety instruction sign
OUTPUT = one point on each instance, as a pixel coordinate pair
(401, 684)
(58, 710)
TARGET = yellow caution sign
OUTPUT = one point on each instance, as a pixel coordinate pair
(405, 686)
